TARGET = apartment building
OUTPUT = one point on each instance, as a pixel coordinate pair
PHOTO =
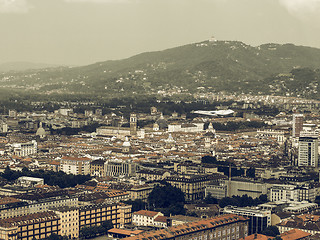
(140, 192)
(192, 186)
(69, 221)
(97, 168)
(32, 226)
(95, 215)
(227, 226)
(35, 204)
(258, 219)
(145, 218)
(75, 165)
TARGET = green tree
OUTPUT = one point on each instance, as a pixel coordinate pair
(271, 231)
(210, 200)
(107, 225)
(164, 196)
(137, 204)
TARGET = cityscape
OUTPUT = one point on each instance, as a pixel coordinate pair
(154, 120)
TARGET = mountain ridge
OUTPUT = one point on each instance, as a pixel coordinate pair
(206, 66)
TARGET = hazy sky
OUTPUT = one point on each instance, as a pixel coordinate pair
(86, 31)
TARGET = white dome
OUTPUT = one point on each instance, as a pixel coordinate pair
(126, 143)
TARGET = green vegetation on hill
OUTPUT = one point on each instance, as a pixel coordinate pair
(201, 67)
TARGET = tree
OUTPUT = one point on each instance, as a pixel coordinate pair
(164, 196)
(56, 237)
(210, 200)
(243, 201)
(107, 225)
(271, 231)
(137, 204)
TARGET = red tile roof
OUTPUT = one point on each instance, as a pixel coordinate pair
(146, 213)
(294, 234)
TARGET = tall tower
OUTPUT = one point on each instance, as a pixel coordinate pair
(308, 151)
(133, 124)
(297, 125)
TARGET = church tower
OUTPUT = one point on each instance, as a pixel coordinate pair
(133, 124)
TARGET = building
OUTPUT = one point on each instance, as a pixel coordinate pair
(227, 226)
(95, 215)
(3, 127)
(133, 124)
(69, 221)
(305, 222)
(297, 125)
(181, 219)
(35, 203)
(192, 186)
(140, 192)
(24, 149)
(118, 131)
(152, 175)
(145, 218)
(279, 135)
(75, 165)
(120, 168)
(308, 151)
(97, 168)
(186, 127)
(242, 186)
(216, 190)
(258, 219)
(282, 192)
(32, 226)
(29, 181)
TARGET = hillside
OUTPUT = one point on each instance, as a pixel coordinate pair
(201, 67)
(23, 66)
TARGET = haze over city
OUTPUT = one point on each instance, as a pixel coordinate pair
(79, 32)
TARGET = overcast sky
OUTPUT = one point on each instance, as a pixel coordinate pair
(81, 32)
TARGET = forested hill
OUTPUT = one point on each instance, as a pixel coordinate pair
(280, 69)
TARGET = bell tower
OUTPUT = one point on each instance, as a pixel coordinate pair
(133, 124)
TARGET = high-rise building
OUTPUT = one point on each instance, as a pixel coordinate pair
(308, 151)
(297, 125)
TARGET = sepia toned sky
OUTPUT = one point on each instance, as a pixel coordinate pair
(79, 32)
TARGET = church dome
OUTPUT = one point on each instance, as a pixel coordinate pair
(126, 143)
(41, 132)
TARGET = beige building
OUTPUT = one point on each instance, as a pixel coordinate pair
(32, 226)
(152, 175)
(75, 165)
(145, 218)
(40, 205)
(192, 186)
(95, 215)
(140, 192)
(69, 221)
(97, 168)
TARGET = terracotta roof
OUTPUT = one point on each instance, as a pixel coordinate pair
(182, 229)
(257, 237)
(75, 158)
(124, 232)
(161, 219)
(294, 234)
(146, 213)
